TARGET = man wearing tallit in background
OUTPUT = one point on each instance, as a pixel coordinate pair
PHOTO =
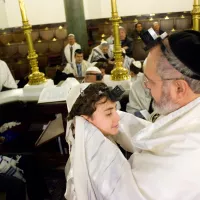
(7, 82)
(165, 164)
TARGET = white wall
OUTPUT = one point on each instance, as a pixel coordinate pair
(38, 12)
(52, 11)
(3, 15)
(136, 7)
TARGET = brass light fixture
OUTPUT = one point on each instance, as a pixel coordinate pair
(103, 38)
(119, 73)
(36, 77)
(196, 15)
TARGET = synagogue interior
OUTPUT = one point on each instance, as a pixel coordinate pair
(46, 43)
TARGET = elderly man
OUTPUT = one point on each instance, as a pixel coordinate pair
(156, 28)
(102, 51)
(126, 42)
(79, 67)
(165, 162)
(93, 74)
(7, 81)
(71, 48)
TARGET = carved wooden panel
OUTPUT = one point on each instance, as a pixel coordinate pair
(61, 33)
(18, 37)
(47, 34)
(167, 24)
(56, 46)
(6, 38)
(23, 50)
(181, 24)
(41, 47)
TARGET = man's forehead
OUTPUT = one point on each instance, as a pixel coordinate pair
(152, 58)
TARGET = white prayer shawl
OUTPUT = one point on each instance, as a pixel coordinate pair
(127, 62)
(6, 78)
(72, 68)
(110, 40)
(90, 181)
(68, 53)
(8, 166)
(97, 54)
(139, 96)
(165, 164)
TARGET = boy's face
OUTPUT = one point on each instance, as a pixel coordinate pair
(105, 118)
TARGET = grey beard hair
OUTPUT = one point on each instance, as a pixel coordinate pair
(165, 105)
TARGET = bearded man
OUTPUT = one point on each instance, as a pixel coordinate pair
(165, 163)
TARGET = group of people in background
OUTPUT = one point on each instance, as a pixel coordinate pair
(100, 63)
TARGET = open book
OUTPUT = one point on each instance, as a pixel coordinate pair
(53, 93)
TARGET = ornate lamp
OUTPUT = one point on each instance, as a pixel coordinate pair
(196, 15)
(36, 77)
(119, 73)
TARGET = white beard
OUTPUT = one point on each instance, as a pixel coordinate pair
(165, 105)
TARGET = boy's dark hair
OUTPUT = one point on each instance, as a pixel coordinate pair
(88, 100)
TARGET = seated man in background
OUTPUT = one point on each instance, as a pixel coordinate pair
(69, 49)
(135, 70)
(126, 42)
(79, 66)
(139, 96)
(156, 28)
(102, 51)
(102, 66)
(93, 74)
(138, 30)
(7, 81)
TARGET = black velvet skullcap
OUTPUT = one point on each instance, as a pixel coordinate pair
(186, 47)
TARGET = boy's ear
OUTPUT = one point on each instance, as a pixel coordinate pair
(86, 117)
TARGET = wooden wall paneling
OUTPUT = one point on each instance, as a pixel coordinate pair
(182, 24)
(61, 33)
(56, 46)
(47, 34)
(167, 24)
(18, 37)
(6, 38)
(35, 35)
(23, 49)
(41, 47)
(9, 50)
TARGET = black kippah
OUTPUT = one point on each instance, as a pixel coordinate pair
(186, 47)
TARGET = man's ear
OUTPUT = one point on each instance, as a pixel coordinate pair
(181, 88)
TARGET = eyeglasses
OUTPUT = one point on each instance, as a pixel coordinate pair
(146, 80)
